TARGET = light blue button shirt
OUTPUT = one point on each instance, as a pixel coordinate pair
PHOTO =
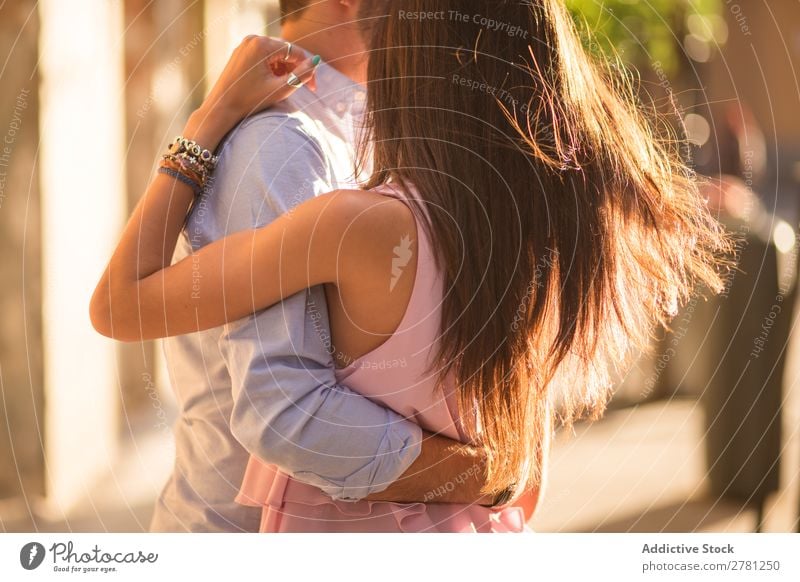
(265, 384)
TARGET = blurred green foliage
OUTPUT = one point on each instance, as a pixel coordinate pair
(642, 32)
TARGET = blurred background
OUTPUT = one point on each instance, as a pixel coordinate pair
(702, 434)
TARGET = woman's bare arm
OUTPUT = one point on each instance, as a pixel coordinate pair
(139, 297)
(132, 286)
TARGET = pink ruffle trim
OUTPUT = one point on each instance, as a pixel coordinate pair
(289, 505)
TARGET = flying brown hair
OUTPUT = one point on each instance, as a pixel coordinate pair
(566, 226)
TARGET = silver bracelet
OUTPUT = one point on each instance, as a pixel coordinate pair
(181, 145)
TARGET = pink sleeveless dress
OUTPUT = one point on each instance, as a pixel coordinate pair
(397, 375)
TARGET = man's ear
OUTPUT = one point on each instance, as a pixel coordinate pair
(350, 5)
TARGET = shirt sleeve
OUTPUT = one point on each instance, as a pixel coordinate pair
(288, 408)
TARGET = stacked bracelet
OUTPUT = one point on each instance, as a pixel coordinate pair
(181, 178)
(189, 163)
(181, 145)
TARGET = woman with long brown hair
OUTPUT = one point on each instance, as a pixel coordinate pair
(524, 230)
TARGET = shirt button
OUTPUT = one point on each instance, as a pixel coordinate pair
(360, 96)
(341, 107)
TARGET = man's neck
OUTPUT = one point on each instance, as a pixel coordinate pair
(340, 46)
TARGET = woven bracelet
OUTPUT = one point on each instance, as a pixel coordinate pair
(181, 178)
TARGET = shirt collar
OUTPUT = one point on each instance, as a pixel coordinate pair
(336, 92)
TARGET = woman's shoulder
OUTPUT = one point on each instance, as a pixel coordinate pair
(360, 227)
(367, 215)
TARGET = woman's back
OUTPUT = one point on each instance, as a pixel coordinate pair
(400, 373)
(370, 308)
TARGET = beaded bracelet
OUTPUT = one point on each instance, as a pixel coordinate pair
(181, 145)
(188, 164)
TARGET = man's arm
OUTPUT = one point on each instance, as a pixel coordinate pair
(288, 409)
(446, 471)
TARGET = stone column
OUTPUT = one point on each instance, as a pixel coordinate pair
(83, 205)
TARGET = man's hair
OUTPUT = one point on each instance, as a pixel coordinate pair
(291, 9)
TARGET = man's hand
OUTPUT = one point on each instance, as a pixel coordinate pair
(446, 471)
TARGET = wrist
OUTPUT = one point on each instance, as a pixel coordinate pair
(208, 125)
(500, 498)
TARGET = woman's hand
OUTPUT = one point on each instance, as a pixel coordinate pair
(256, 76)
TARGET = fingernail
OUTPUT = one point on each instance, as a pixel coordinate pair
(316, 60)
